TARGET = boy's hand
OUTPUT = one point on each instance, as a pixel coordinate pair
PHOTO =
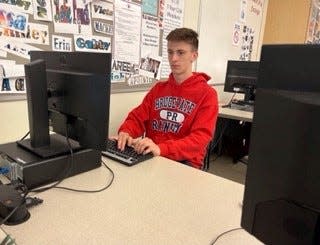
(123, 139)
(146, 145)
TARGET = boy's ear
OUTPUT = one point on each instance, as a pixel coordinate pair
(194, 55)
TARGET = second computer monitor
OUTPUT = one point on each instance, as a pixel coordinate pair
(241, 77)
(281, 203)
(72, 92)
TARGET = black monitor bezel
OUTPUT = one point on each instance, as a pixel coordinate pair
(241, 77)
(91, 127)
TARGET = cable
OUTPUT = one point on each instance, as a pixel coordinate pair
(57, 182)
(67, 171)
(32, 201)
(223, 233)
(78, 190)
(229, 103)
(25, 136)
(91, 191)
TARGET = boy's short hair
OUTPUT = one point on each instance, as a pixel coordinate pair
(185, 35)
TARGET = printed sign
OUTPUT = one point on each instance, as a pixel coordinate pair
(60, 43)
(92, 43)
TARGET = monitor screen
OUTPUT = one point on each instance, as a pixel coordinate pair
(69, 91)
(241, 77)
(281, 201)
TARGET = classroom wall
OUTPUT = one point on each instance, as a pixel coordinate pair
(14, 115)
(221, 41)
(14, 119)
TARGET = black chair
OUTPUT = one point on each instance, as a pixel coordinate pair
(206, 160)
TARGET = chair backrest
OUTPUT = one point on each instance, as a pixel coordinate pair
(206, 160)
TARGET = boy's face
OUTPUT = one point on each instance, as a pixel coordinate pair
(181, 56)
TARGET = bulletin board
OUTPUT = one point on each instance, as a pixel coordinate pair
(313, 28)
(133, 31)
(233, 34)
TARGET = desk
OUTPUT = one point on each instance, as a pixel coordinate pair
(239, 115)
(232, 133)
(158, 201)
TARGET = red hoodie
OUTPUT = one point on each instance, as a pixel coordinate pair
(179, 118)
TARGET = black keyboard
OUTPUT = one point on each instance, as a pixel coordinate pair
(242, 102)
(128, 156)
(242, 105)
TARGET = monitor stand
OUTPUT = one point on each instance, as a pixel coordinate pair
(58, 146)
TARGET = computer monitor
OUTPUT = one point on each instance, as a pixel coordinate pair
(241, 77)
(281, 201)
(69, 91)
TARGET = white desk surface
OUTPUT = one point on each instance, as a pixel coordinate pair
(235, 114)
(155, 202)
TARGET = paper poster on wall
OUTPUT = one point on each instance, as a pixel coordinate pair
(127, 31)
(313, 31)
(243, 10)
(71, 17)
(61, 43)
(247, 40)
(150, 38)
(12, 78)
(123, 70)
(24, 6)
(256, 7)
(135, 80)
(160, 13)
(150, 7)
(102, 27)
(173, 18)
(133, 30)
(42, 10)
(17, 48)
(36, 33)
(13, 85)
(14, 70)
(149, 67)
(98, 44)
(13, 20)
(102, 10)
(236, 34)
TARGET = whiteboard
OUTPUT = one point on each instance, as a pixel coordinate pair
(217, 34)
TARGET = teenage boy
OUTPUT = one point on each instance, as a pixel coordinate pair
(177, 117)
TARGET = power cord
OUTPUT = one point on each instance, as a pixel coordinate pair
(67, 170)
(78, 190)
(91, 191)
(67, 173)
(25, 136)
(223, 233)
(33, 201)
